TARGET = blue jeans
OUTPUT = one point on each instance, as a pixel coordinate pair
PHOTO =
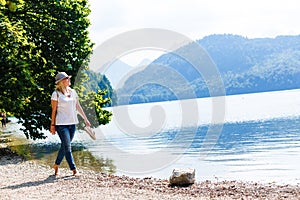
(66, 134)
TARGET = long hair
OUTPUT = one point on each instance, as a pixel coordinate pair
(60, 87)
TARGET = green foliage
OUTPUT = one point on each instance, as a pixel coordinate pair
(37, 39)
(96, 82)
(93, 90)
(93, 104)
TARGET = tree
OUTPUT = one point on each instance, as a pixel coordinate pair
(38, 39)
(98, 82)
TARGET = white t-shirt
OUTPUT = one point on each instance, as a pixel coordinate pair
(66, 108)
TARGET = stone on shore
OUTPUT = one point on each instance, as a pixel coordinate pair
(182, 177)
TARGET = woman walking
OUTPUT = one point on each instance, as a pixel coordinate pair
(65, 104)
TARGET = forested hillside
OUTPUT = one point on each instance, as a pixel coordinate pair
(97, 82)
(245, 65)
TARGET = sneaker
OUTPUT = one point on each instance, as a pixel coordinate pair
(90, 131)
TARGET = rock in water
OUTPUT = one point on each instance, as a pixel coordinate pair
(182, 177)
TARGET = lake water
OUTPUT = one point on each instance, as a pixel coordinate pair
(256, 137)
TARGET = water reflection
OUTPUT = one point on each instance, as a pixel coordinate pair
(45, 153)
(254, 150)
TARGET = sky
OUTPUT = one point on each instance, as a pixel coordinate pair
(195, 18)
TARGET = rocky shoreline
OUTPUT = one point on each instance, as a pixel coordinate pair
(21, 179)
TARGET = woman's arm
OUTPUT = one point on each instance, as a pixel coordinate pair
(82, 114)
(53, 116)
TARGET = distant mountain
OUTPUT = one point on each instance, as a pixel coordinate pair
(245, 65)
(144, 62)
(238, 54)
(116, 71)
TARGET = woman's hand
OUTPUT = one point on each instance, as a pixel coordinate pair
(52, 129)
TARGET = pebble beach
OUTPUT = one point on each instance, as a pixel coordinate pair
(23, 179)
